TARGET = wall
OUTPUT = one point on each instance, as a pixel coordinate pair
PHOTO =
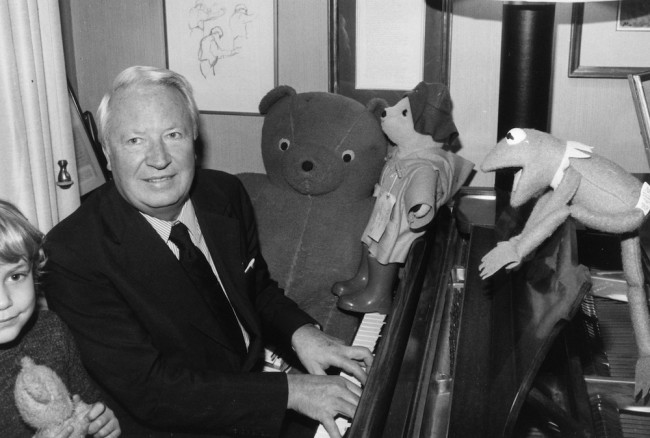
(106, 36)
(109, 35)
(597, 112)
(474, 78)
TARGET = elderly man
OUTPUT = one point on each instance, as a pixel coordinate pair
(179, 349)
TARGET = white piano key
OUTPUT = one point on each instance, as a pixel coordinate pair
(366, 336)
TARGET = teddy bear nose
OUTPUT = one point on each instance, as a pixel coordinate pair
(307, 166)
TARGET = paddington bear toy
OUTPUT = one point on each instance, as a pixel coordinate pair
(417, 179)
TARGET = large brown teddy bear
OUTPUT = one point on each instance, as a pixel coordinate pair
(323, 154)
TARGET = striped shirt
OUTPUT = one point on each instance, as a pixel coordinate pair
(188, 218)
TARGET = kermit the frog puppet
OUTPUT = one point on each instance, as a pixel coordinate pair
(571, 181)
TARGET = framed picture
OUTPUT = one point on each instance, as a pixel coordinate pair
(91, 163)
(622, 27)
(357, 24)
(640, 87)
(227, 49)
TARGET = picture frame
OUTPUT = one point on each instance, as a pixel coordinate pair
(91, 163)
(342, 50)
(624, 27)
(640, 88)
(227, 50)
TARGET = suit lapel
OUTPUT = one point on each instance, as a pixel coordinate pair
(146, 258)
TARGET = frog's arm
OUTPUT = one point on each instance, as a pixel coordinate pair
(550, 211)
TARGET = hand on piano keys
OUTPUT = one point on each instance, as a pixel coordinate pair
(367, 336)
(319, 352)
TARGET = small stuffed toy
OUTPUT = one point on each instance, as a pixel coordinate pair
(417, 179)
(45, 404)
(570, 180)
(323, 154)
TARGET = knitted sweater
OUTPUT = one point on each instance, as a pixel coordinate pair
(48, 342)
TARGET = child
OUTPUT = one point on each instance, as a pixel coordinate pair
(39, 334)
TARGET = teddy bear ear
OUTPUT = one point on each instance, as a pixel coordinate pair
(376, 106)
(273, 96)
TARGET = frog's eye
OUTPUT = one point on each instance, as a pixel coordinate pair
(515, 136)
(284, 144)
(347, 156)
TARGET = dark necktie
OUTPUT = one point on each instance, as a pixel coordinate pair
(199, 270)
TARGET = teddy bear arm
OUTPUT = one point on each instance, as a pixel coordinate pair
(420, 197)
(78, 420)
(420, 210)
(36, 387)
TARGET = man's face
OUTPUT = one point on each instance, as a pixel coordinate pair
(17, 299)
(150, 149)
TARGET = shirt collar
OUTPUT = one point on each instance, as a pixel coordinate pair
(187, 217)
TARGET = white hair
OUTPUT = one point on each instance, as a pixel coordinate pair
(144, 75)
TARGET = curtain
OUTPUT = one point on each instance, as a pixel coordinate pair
(35, 112)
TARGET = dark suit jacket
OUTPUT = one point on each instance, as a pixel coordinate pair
(147, 337)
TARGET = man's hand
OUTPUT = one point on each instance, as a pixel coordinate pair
(323, 398)
(318, 351)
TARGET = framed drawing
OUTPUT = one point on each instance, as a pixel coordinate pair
(227, 49)
(356, 25)
(91, 164)
(640, 87)
(622, 27)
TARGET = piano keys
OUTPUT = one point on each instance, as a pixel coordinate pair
(367, 336)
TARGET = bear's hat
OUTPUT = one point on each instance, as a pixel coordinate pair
(431, 107)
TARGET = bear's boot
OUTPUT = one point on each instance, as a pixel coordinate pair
(360, 279)
(378, 293)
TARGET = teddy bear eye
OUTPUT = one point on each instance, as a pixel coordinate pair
(405, 112)
(347, 156)
(515, 136)
(284, 144)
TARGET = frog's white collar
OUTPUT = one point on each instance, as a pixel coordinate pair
(573, 149)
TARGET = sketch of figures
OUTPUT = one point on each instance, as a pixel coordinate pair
(223, 33)
(210, 51)
(225, 48)
(239, 22)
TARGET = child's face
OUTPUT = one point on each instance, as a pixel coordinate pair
(17, 298)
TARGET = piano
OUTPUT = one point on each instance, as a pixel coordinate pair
(518, 355)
